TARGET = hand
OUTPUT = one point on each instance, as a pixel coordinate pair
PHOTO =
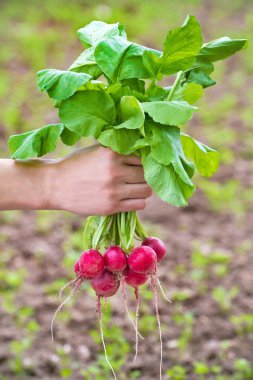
(97, 180)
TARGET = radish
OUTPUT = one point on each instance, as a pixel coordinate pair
(115, 259)
(157, 245)
(135, 279)
(91, 263)
(105, 284)
(77, 267)
(142, 260)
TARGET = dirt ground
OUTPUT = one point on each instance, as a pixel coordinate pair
(180, 228)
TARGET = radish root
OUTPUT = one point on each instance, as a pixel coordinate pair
(67, 285)
(136, 291)
(161, 288)
(154, 288)
(127, 310)
(102, 336)
(62, 304)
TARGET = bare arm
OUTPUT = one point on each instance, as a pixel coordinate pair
(90, 181)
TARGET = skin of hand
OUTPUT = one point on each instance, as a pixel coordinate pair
(90, 181)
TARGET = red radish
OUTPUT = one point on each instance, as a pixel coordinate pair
(135, 279)
(157, 245)
(91, 263)
(115, 259)
(105, 284)
(142, 260)
(77, 267)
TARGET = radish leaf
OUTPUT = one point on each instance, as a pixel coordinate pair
(206, 159)
(87, 112)
(35, 143)
(169, 113)
(60, 84)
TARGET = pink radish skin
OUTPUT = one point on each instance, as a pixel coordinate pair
(77, 267)
(135, 279)
(105, 284)
(115, 259)
(91, 263)
(157, 245)
(142, 260)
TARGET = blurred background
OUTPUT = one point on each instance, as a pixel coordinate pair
(208, 329)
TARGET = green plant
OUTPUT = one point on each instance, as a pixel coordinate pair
(243, 323)
(244, 369)
(224, 297)
(129, 111)
(177, 372)
(185, 321)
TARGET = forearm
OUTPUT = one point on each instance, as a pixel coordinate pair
(24, 185)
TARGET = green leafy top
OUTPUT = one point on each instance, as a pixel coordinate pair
(128, 110)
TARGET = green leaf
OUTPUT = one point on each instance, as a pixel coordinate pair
(87, 112)
(134, 84)
(95, 31)
(180, 49)
(166, 148)
(220, 48)
(68, 137)
(120, 140)
(157, 93)
(86, 63)
(192, 92)
(152, 62)
(206, 159)
(35, 143)
(169, 112)
(165, 182)
(60, 84)
(181, 90)
(199, 76)
(131, 113)
(93, 85)
(142, 143)
(120, 59)
(117, 91)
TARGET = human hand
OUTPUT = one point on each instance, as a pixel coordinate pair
(97, 181)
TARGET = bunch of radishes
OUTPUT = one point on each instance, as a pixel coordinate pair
(106, 273)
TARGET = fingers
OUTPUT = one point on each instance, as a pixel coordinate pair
(131, 160)
(133, 174)
(132, 205)
(136, 191)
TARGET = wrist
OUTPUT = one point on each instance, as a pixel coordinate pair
(27, 184)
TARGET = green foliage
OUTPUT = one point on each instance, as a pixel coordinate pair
(117, 349)
(224, 297)
(243, 323)
(61, 85)
(177, 372)
(36, 143)
(244, 369)
(185, 322)
(111, 112)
